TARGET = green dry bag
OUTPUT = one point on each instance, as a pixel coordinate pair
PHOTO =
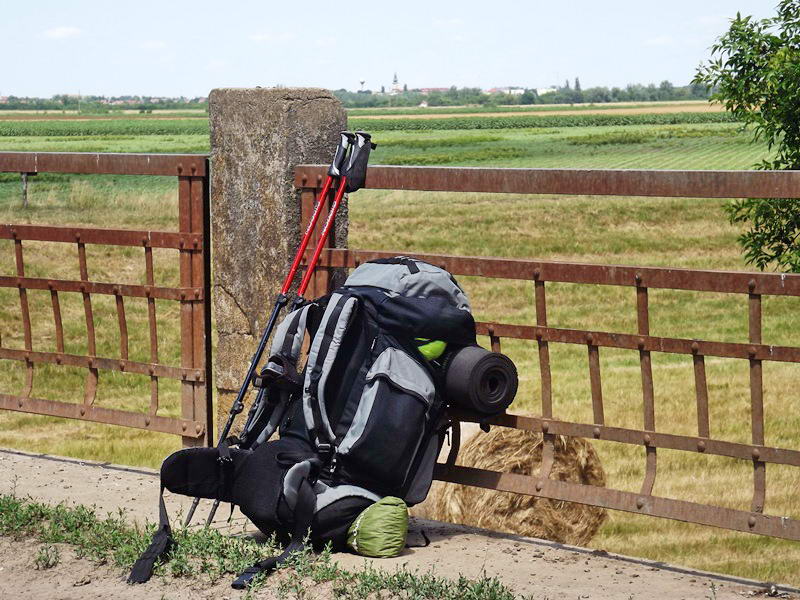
(380, 530)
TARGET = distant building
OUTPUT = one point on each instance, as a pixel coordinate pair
(547, 90)
(3, 99)
(396, 87)
(514, 91)
(430, 90)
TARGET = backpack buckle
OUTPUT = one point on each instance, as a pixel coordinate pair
(324, 449)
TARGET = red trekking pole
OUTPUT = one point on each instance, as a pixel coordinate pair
(334, 173)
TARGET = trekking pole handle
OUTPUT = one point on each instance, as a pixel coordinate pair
(347, 139)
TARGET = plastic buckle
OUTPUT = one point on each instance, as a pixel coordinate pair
(324, 449)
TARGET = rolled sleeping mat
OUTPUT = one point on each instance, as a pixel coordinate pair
(479, 380)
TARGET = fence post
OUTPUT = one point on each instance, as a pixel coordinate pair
(258, 136)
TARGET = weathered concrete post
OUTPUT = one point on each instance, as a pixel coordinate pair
(257, 138)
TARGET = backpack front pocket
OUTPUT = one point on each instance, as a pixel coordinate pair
(386, 431)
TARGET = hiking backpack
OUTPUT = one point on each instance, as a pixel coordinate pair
(362, 420)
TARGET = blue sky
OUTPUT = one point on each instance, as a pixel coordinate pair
(187, 48)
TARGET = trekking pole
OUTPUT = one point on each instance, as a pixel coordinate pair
(334, 173)
(352, 180)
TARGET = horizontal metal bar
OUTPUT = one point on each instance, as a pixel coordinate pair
(607, 182)
(104, 163)
(97, 414)
(110, 237)
(777, 284)
(109, 364)
(641, 342)
(111, 289)
(654, 506)
(639, 437)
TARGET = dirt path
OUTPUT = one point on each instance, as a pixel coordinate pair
(529, 566)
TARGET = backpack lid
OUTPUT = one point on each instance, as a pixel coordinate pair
(416, 299)
(410, 277)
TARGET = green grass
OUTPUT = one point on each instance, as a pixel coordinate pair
(645, 231)
(704, 146)
(538, 121)
(205, 553)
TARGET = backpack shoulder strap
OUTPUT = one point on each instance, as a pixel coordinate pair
(324, 349)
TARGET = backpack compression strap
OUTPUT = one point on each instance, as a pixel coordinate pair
(303, 517)
(161, 543)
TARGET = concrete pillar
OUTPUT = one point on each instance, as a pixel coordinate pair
(257, 138)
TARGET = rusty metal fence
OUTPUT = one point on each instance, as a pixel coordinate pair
(752, 286)
(192, 243)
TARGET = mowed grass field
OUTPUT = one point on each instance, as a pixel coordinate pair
(639, 231)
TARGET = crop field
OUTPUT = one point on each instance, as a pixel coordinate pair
(652, 231)
(630, 107)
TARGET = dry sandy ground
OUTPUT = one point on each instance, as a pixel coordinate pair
(529, 566)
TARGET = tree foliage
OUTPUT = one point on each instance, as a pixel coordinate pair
(755, 72)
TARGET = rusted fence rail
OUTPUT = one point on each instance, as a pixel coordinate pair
(192, 243)
(752, 286)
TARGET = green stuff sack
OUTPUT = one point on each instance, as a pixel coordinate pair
(380, 530)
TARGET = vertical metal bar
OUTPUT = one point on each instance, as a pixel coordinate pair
(87, 301)
(57, 319)
(23, 296)
(92, 376)
(494, 340)
(648, 395)
(544, 351)
(123, 327)
(701, 391)
(24, 180)
(594, 378)
(202, 406)
(187, 313)
(757, 405)
(26, 318)
(208, 386)
(321, 278)
(548, 447)
(151, 319)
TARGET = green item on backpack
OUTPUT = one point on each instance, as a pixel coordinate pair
(431, 349)
(380, 530)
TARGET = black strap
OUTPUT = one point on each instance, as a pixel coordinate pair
(291, 332)
(424, 537)
(320, 433)
(225, 464)
(303, 517)
(398, 260)
(160, 544)
(455, 443)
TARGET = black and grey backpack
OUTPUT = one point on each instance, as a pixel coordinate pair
(362, 419)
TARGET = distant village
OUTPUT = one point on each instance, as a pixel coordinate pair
(396, 94)
(397, 89)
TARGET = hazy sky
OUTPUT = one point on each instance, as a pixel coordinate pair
(175, 47)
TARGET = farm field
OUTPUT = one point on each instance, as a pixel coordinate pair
(666, 108)
(652, 231)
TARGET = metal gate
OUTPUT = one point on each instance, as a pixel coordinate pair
(190, 238)
(751, 286)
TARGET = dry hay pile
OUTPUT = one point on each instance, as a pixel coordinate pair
(517, 451)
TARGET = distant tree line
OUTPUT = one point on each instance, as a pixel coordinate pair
(566, 94)
(101, 104)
